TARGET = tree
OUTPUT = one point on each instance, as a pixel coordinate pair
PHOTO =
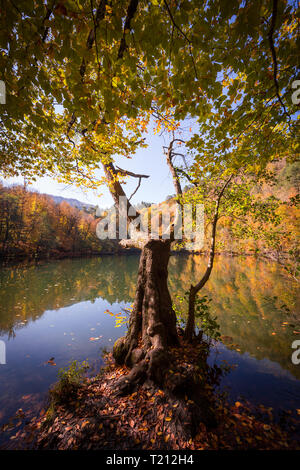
(83, 82)
(236, 198)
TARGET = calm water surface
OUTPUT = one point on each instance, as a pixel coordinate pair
(54, 309)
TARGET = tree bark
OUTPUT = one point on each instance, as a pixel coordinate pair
(169, 156)
(152, 328)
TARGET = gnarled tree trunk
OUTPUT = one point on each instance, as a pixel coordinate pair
(152, 328)
(148, 348)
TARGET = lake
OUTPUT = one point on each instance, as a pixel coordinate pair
(58, 310)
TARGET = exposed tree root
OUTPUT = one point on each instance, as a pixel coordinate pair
(186, 381)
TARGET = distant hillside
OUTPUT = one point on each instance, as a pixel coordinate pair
(73, 202)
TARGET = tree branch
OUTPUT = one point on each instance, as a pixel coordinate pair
(100, 14)
(136, 189)
(205, 278)
(170, 155)
(132, 7)
(130, 173)
(274, 58)
(190, 326)
(187, 176)
(116, 189)
(174, 23)
(46, 30)
(134, 175)
(183, 34)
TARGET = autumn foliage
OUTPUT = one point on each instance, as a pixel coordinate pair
(32, 225)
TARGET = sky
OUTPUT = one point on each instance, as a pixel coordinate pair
(150, 161)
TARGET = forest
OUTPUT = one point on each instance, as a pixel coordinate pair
(121, 98)
(33, 226)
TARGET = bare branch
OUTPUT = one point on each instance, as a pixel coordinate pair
(134, 175)
(169, 155)
(136, 189)
(130, 173)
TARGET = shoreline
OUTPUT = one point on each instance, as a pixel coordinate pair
(148, 419)
(6, 261)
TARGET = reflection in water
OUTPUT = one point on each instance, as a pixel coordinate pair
(27, 291)
(250, 299)
(53, 309)
(249, 296)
